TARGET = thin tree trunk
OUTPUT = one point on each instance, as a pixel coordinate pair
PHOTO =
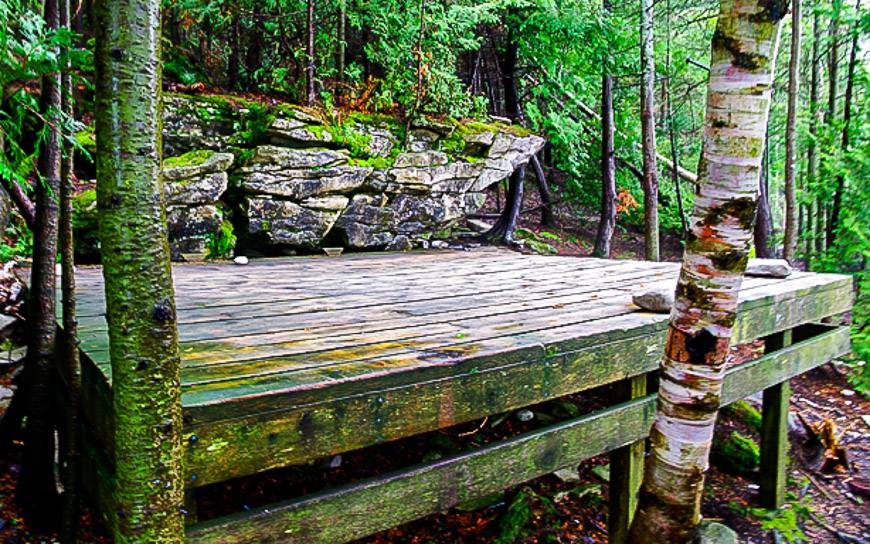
(844, 142)
(342, 42)
(140, 306)
(763, 218)
(607, 220)
(503, 230)
(37, 490)
(672, 129)
(648, 130)
(715, 259)
(70, 348)
(790, 230)
(547, 217)
(234, 74)
(23, 205)
(310, 93)
(815, 245)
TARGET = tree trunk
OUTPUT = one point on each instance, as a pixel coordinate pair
(607, 221)
(503, 230)
(140, 306)
(648, 130)
(693, 366)
(547, 217)
(790, 230)
(815, 245)
(844, 142)
(37, 490)
(310, 93)
(763, 218)
(833, 63)
(70, 345)
(234, 75)
(672, 129)
(342, 42)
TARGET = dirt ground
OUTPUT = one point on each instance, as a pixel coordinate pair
(824, 506)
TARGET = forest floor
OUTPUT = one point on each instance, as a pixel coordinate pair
(826, 504)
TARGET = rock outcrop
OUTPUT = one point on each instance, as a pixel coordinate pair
(292, 178)
(193, 185)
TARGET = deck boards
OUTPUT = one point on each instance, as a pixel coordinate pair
(311, 314)
(386, 345)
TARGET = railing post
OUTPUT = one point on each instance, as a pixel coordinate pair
(190, 514)
(774, 432)
(626, 471)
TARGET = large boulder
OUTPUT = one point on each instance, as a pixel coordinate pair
(283, 222)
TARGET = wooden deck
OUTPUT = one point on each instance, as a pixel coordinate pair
(287, 360)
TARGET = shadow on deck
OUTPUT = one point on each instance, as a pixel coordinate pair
(289, 360)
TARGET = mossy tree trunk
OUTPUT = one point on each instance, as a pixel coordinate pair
(738, 101)
(140, 307)
(37, 490)
(648, 129)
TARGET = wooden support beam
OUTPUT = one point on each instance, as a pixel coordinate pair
(626, 471)
(774, 432)
(190, 515)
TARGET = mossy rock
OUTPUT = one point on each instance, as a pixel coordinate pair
(191, 158)
(86, 226)
(736, 454)
(744, 412)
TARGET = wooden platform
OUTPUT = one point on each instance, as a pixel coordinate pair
(287, 360)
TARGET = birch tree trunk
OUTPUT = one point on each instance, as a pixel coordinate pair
(140, 307)
(789, 244)
(648, 130)
(738, 101)
(37, 490)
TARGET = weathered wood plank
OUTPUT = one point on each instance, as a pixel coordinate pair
(774, 433)
(359, 510)
(626, 470)
(454, 395)
(380, 360)
(354, 511)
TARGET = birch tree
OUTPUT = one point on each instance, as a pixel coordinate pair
(140, 307)
(738, 101)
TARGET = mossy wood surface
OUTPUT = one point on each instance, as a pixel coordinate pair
(357, 510)
(286, 360)
(352, 511)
